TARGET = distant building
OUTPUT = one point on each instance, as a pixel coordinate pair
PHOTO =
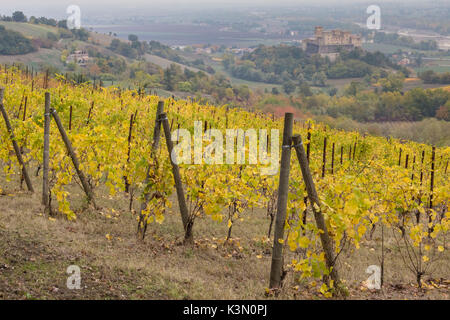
(79, 57)
(242, 51)
(329, 43)
(203, 50)
(404, 62)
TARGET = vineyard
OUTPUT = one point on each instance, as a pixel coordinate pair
(82, 147)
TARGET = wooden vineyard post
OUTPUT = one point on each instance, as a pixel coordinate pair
(325, 239)
(308, 153)
(226, 119)
(87, 189)
(421, 183)
(14, 142)
(189, 236)
(430, 219)
(130, 134)
(421, 167)
(342, 155)
(324, 159)
(90, 111)
(155, 146)
(46, 157)
(46, 79)
(308, 145)
(283, 190)
(23, 120)
(332, 158)
(25, 109)
(20, 107)
(70, 119)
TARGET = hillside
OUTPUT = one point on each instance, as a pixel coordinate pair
(375, 207)
(51, 57)
(30, 30)
(164, 63)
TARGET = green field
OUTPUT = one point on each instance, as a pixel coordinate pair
(36, 59)
(164, 63)
(251, 84)
(29, 30)
(438, 69)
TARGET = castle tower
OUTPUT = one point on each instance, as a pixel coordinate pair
(318, 32)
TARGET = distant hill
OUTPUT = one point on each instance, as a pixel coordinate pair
(279, 64)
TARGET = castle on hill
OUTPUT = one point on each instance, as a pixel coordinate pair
(329, 43)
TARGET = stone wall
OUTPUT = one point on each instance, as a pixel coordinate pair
(331, 41)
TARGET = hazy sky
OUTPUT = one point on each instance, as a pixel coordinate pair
(56, 8)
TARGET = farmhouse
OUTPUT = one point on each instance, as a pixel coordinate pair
(79, 57)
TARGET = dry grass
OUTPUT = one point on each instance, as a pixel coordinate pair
(35, 252)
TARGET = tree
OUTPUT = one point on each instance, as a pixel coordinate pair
(114, 44)
(62, 24)
(185, 86)
(332, 91)
(80, 34)
(51, 36)
(229, 94)
(354, 88)
(64, 33)
(392, 83)
(169, 78)
(123, 49)
(94, 70)
(301, 79)
(319, 79)
(430, 76)
(18, 16)
(419, 60)
(133, 37)
(72, 66)
(64, 56)
(289, 87)
(244, 92)
(305, 90)
(443, 113)
(12, 43)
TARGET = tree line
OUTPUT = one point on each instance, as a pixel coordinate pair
(431, 77)
(14, 43)
(404, 41)
(282, 64)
